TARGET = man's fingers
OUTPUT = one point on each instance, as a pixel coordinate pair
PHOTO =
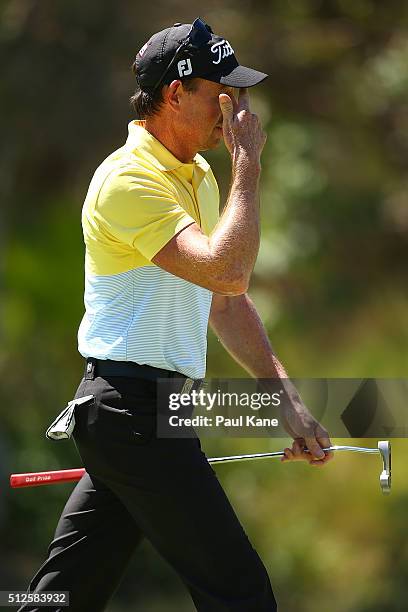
(315, 449)
(243, 99)
(242, 129)
(325, 442)
(314, 453)
(298, 447)
(323, 437)
(288, 456)
(227, 107)
(295, 453)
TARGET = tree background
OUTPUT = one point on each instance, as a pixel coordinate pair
(330, 281)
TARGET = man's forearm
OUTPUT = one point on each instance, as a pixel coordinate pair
(237, 324)
(234, 242)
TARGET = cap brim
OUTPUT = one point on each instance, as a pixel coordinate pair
(241, 76)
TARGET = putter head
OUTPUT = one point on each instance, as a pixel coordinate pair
(384, 448)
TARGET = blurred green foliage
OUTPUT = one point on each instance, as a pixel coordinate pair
(330, 281)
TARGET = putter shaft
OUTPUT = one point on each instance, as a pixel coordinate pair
(355, 449)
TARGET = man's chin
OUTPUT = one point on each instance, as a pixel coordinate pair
(213, 143)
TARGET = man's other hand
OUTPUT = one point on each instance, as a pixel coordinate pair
(307, 433)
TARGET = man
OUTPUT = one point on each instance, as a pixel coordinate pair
(160, 264)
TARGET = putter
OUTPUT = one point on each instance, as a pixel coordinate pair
(384, 449)
(34, 479)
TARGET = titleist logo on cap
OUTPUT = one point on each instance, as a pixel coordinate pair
(221, 49)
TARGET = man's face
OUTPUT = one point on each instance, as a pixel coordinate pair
(201, 116)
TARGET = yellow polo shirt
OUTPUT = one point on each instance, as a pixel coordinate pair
(139, 198)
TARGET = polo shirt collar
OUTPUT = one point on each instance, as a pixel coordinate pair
(139, 138)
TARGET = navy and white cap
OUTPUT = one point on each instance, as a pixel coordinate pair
(191, 50)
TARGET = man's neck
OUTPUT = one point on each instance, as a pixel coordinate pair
(164, 133)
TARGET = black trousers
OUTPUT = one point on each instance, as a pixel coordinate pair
(138, 485)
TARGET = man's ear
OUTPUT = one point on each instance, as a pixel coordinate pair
(172, 95)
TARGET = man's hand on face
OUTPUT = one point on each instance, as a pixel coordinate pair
(306, 432)
(243, 133)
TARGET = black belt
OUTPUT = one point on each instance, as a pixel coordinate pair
(108, 367)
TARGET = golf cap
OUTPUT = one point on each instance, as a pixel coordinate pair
(191, 50)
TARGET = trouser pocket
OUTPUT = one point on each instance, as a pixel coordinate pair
(123, 411)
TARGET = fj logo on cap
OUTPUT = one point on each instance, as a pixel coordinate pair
(222, 50)
(184, 67)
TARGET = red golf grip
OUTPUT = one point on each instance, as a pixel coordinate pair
(35, 479)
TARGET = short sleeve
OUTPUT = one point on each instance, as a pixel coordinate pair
(140, 210)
